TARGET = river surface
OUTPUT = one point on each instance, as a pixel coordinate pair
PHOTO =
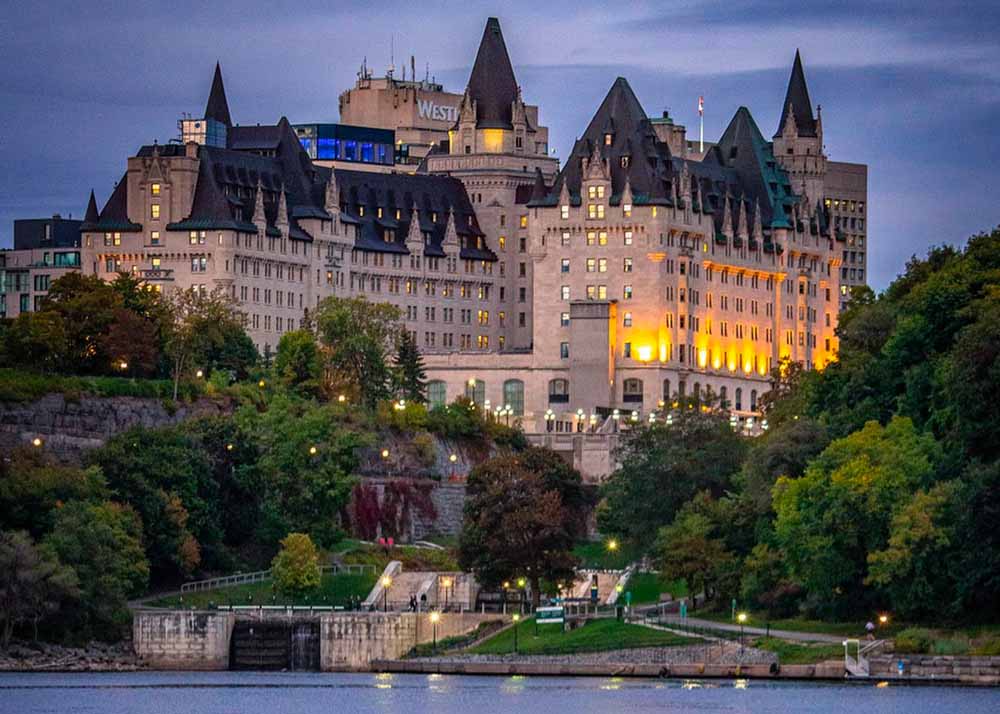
(250, 693)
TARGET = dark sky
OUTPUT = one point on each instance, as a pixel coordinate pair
(911, 89)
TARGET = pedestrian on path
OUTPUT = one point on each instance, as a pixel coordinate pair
(870, 629)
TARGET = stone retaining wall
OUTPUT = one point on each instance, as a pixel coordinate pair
(178, 639)
(968, 670)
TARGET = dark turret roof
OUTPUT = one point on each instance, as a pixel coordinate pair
(114, 216)
(797, 97)
(492, 84)
(217, 107)
(91, 216)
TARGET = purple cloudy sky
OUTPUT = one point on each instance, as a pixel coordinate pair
(911, 89)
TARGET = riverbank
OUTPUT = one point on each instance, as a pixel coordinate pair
(95, 657)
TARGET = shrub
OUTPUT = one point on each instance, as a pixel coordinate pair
(914, 640)
(426, 448)
(296, 566)
(459, 420)
(988, 648)
(950, 647)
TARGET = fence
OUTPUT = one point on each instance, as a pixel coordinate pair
(262, 575)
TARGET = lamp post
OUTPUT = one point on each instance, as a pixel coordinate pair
(435, 616)
(579, 419)
(446, 584)
(508, 410)
(452, 459)
(386, 582)
(742, 618)
(612, 545)
(549, 419)
(517, 619)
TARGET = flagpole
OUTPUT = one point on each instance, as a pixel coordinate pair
(701, 125)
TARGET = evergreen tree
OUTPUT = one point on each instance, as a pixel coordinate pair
(411, 379)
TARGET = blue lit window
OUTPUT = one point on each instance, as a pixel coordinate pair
(327, 148)
(367, 152)
(382, 158)
(350, 150)
(307, 144)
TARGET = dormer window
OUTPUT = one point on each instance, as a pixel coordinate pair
(361, 211)
(434, 217)
(154, 189)
(397, 214)
(608, 138)
(564, 212)
(624, 162)
(379, 211)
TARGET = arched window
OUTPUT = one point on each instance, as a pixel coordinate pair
(632, 390)
(475, 391)
(681, 389)
(696, 392)
(666, 390)
(513, 395)
(753, 400)
(723, 402)
(437, 394)
(558, 391)
(739, 399)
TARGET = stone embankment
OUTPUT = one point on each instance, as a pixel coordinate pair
(728, 654)
(95, 657)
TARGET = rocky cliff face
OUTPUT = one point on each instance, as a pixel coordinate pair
(68, 427)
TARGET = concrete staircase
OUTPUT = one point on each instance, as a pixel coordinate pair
(443, 590)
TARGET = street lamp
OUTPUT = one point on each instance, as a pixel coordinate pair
(741, 618)
(36, 442)
(549, 419)
(635, 415)
(385, 453)
(883, 620)
(517, 619)
(199, 374)
(342, 398)
(261, 384)
(446, 584)
(312, 450)
(435, 616)
(386, 582)
(579, 419)
(612, 545)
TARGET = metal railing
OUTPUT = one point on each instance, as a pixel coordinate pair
(258, 576)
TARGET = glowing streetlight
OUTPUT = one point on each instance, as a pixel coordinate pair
(261, 384)
(199, 374)
(517, 619)
(453, 458)
(123, 365)
(612, 545)
(229, 447)
(386, 583)
(385, 453)
(36, 442)
(312, 450)
(521, 582)
(435, 616)
(883, 620)
(741, 618)
(341, 398)
(446, 583)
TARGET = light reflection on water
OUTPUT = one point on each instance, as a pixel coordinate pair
(305, 693)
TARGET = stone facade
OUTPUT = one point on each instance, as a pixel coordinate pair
(183, 640)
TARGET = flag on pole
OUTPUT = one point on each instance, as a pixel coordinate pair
(701, 106)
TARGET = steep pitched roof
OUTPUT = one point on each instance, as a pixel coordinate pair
(91, 217)
(797, 97)
(217, 107)
(647, 160)
(114, 215)
(492, 84)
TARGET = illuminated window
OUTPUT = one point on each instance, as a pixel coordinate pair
(565, 239)
(564, 212)
(602, 265)
(627, 267)
(627, 292)
(564, 319)
(154, 211)
(591, 265)
(155, 189)
(602, 237)
(627, 210)
(155, 263)
(591, 292)
(565, 265)
(154, 237)
(627, 319)
(524, 221)
(591, 237)
(602, 292)
(503, 243)
(628, 237)
(564, 292)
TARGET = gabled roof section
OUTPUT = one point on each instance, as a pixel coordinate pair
(634, 153)
(114, 215)
(91, 217)
(433, 199)
(492, 84)
(217, 107)
(797, 98)
(758, 176)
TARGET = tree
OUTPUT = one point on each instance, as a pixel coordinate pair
(689, 548)
(87, 306)
(665, 465)
(358, 337)
(36, 340)
(830, 519)
(207, 331)
(165, 476)
(298, 365)
(296, 566)
(133, 341)
(102, 542)
(785, 450)
(411, 379)
(307, 460)
(32, 486)
(515, 526)
(33, 584)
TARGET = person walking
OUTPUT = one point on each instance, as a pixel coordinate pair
(870, 630)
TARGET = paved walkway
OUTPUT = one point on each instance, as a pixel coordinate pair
(760, 631)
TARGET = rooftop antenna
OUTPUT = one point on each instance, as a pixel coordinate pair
(701, 124)
(413, 69)
(392, 54)
(427, 72)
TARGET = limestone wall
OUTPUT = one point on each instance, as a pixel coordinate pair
(71, 426)
(186, 640)
(970, 670)
(351, 641)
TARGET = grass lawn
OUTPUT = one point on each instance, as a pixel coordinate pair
(333, 590)
(595, 554)
(595, 636)
(647, 587)
(799, 652)
(412, 558)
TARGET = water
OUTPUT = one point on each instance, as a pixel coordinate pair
(302, 693)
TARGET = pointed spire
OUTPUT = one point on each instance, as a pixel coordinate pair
(331, 199)
(797, 102)
(686, 185)
(627, 192)
(414, 236)
(91, 216)
(742, 229)
(539, 191)
(450, 239)
(217, 107)
(758, 225)
(727, 218)
(492, 85)
(281, 220)
(564, 197)
(259, 218)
